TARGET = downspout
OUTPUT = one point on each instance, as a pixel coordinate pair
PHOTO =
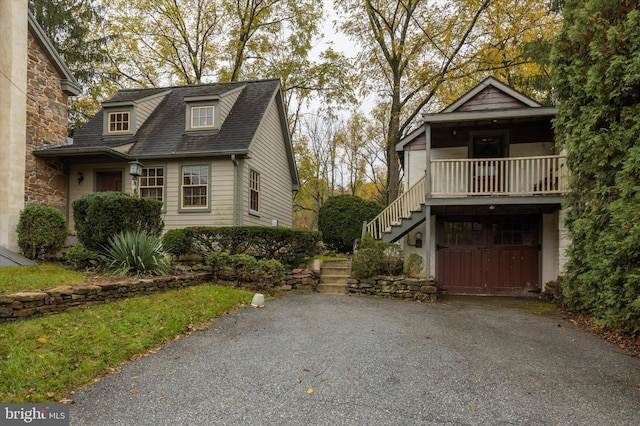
(237, 193)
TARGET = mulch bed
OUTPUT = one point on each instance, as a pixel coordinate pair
(627, 344)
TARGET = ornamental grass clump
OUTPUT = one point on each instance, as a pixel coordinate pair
(136, 252)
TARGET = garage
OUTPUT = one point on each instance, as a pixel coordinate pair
(488, 255)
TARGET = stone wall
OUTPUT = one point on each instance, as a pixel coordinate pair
(301, 279)
(33, 303)
(47, 118)
(396, 287)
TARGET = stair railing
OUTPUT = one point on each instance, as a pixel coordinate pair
(399, 209)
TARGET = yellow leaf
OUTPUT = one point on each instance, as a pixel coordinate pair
(41, 340)
(310, 391)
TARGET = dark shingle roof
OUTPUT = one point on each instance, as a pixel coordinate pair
(163, 133)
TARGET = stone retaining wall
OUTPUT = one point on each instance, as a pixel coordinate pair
(27, 304)
(32, 303)
(301, 279)
(397, 287)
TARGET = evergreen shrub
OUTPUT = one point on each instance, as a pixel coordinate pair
(292, 247)
(376, 258)
(101, 215)
(596, 77)
(81, 257)
(340, 220)
(413, 265)
(41, 230)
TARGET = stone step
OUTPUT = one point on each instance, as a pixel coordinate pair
(337, 263)
(333, 288)
(334, 276)
(334, 279)
(336, 270)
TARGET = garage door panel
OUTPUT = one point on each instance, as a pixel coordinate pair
(489, 256)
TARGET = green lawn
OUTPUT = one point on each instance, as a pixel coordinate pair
(19, 278)
(43, 359)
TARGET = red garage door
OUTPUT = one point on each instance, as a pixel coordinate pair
(494, 255)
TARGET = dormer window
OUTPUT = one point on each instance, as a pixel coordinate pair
(202, 113)
(119, 122)
(202, 117)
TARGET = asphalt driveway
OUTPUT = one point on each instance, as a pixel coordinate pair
(347, 360)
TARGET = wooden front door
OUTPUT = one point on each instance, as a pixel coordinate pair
(492, 255)
(486, 175)
(108, 181)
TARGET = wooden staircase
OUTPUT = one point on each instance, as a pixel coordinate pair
(401, 216)
(334, 276)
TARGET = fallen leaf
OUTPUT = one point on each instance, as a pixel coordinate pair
(41, 340)
(51, 394)
(472, 408)
(162, 398)
(134, 392)
(310, 391)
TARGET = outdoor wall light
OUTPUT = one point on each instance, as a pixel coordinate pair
(135, 170)
(418, 239)
(80, 177)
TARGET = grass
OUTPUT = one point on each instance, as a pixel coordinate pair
(44, 359)
(21, 278)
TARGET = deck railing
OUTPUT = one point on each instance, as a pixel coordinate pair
(399, 209)
(515, 176)
(543, 175)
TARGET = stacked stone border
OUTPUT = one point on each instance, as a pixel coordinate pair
(26, 304)
(396, 287)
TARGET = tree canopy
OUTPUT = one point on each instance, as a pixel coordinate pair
(419, 53)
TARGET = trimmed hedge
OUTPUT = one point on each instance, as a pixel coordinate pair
(101, 215)
(263, 274)
(291, 247)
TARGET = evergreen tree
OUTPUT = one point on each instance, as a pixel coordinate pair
(73, 26)
(596, 61)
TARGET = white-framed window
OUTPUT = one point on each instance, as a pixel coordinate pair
(195, 187)
(118, 122)
(254, 191)
(202, 116)
(152, 183)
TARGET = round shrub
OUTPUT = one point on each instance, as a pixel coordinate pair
(340, 220)
(413, 265)
(41, 230)
(81, 257)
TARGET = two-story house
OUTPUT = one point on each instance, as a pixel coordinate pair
(485, 185)
(215, 154)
